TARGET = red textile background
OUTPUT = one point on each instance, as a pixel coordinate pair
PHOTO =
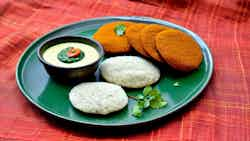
(221, 113)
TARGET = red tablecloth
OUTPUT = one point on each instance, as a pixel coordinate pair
(221, 113)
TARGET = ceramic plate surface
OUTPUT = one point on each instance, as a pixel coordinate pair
(52, 97)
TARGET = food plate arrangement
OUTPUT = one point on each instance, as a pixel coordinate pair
(35, 77)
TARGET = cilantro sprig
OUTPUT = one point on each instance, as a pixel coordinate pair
(151, 98)
(120, 29)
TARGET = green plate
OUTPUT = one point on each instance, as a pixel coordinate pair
(37, 86)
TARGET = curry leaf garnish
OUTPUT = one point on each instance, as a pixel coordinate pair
(120, 29)
(151, 98)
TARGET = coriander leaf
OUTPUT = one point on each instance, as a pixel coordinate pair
(140, 97)
(154, 92)
(163, 103)
(141, 103)
(176, 84)
(146, 103)
(137, 110)
(158, 102)
(120, 29)
(147, 90)
(150, 98)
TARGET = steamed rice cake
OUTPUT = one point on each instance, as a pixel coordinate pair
(98, 97)
(129, 71)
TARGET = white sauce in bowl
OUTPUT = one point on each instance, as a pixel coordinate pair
(90, 55)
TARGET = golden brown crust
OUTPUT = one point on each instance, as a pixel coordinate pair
(111, 42)
(133, 34)
(179, 50)
(147, 36)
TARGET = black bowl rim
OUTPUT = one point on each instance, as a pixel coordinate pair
(101, 52)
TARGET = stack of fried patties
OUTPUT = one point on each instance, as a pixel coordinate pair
(155, 41)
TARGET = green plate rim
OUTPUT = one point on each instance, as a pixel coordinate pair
(130, 18)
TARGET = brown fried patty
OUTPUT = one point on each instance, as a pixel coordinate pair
(111, 42)
(133, 34)
(147, 36)
(179, 50)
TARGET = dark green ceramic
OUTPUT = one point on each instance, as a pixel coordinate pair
(52, 97)
(70, 75)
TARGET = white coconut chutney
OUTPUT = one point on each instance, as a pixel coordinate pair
(90, 54)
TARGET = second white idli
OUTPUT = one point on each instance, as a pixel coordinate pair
(129, 71)
(98, 97)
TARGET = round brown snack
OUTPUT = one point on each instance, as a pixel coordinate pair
(148, 40)
(179, 50)
(133, 34)
(111, 42)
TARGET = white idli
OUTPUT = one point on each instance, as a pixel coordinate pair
(98, 97)
(129, 71)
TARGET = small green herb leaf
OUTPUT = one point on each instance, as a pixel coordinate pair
(176, 84)
(150, 98)
(154, 92)
(140, 97)
(157, 103)
(147, 90)
(120, 29)
(146, 103)
(137, 110)
(163, 103)
(141, 103)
